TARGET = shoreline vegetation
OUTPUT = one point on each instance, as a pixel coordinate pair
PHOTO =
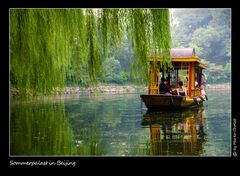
(118, 89)
(109, 89)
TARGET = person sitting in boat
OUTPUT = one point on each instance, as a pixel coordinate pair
(164, 86)
(161, 86)
(181, 90)
(167, 85)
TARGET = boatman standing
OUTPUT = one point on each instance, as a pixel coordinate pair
(203, 79)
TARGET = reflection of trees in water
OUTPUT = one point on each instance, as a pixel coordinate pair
(176, 133)
(44, 129)
(88, 143)
(40, 130)
(101, 130)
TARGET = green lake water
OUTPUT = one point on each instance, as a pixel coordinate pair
(119, 125)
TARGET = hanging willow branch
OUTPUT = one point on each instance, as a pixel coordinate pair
(161, 35)
(48, 45)
(138, 33)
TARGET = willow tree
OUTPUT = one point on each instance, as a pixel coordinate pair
(46, 45)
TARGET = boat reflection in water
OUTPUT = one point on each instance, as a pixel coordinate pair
(176, 133)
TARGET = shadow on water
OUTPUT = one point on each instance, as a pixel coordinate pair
(176, 133)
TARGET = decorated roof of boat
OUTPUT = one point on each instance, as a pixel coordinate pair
(178, 55)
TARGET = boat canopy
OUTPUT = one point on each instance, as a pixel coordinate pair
(178, 55)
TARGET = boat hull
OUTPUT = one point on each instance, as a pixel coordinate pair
(162, 101)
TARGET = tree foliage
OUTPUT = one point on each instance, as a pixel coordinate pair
(48, 46)
(208, 31)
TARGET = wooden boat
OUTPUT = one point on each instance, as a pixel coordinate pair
(185, 65)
